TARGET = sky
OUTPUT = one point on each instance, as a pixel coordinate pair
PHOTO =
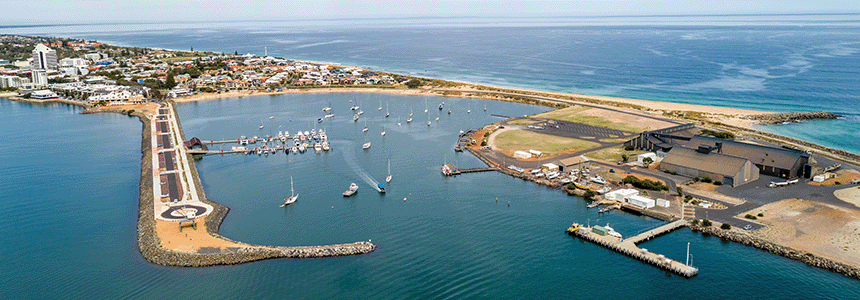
(90, 11)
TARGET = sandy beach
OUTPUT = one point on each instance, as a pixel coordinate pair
(730, 116)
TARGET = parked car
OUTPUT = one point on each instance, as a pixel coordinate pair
(748, 227)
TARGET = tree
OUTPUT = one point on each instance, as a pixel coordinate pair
(624, 157)
(726, 226)
(414, 83)
(588, 196)
(680, 191)
(647, 161)
(169, 82)
(706, 223)
(236, 53)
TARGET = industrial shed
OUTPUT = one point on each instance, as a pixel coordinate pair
(779, 162)
(704, 163)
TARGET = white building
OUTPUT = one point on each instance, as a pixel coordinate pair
(550, 167)
(117, 97)
(522, 154)
(9, 82)
(72, 62)
(662, 202)
(43, 94)
(94, 56)
(44, 58)
(640, 201)
(535, 153)
(40, 77)
(621, 195)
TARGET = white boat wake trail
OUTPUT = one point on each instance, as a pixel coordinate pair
(352, 162)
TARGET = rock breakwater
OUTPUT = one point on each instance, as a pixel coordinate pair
(793, 117)
(150, 245)
(804, 257)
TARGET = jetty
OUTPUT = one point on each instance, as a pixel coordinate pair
(451, 170)
(628, 246)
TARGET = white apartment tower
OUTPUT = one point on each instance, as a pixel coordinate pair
(44, 58)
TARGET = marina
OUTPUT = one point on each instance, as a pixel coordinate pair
(628, 247)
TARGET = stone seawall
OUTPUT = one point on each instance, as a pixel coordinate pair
(755, 242)
(793, 117)
(150, 245)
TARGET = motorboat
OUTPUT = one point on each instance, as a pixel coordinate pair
(380, 188)
(366, 145)
(428, 123)
(441, 105)
(329, 116)
(355, 117)
(318, 148)
(325, 146)
(353, 188)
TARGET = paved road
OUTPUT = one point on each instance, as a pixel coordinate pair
(757, 192)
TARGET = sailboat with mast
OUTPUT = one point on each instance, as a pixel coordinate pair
(365, 126)
(386, 110)
(425, 106)
(409, 120)
(388, 179)
(293, 196)
(380, 105)
(327, 108)
(366, 144)
(383, 131)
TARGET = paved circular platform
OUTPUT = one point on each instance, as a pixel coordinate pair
(181, 212)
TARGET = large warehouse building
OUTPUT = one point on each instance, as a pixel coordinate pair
(779, 162)
(703, 162)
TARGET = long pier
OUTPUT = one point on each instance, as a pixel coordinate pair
(628, 247)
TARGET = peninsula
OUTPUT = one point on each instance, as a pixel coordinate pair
(707, 166)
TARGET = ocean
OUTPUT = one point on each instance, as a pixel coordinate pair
(70, 195)
(763, 62)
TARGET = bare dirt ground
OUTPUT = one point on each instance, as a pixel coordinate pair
(842, 177)
(849, 194)
(148, 108)
(821, 229)
(189, 240)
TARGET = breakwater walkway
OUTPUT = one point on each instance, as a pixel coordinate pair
(628, 247)
(171, 194)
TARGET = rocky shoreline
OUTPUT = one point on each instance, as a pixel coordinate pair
(150, 245)
(793, 117)
(755, 242)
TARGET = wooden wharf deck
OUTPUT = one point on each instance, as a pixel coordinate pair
(628, 247)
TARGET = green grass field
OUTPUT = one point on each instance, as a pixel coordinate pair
(550, 145)
(575, 114)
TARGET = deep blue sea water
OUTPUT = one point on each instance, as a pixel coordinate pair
(70, 191)
(764, 62)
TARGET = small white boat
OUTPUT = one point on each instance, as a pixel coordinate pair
(409, 120)
(318, 148)
(485, 107)
(386, 110)
(365, 127)
(261, 126)
(437, 119)
(388, 179)
(325, 146)
(351, 191)
(441, 105)
(355, 117)
(383, 131)
(449, 111)
(271, 117)
(366, 145)
(380, 105)
(319, 120)
(597, 179)
(360, 112)
(327, 108)
(292, 199)
(295, 149)
(302, 148)
(428, 123)
(329, 116)
(307, 134)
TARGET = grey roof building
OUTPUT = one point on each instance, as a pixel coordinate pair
(779, 162)
(703, 162)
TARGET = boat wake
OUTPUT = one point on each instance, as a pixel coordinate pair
(352, 162)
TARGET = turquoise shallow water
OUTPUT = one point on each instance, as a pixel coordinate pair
(69, 209)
